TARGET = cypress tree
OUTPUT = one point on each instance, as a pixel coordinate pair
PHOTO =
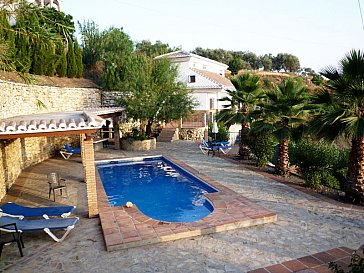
(62, 61)
(38, 57)
(23, 52)
(79, 64)
(51, 61)
(71, 61)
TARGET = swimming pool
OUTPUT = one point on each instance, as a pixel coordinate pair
(161, 189)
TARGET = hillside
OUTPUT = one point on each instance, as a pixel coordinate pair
(49, 81)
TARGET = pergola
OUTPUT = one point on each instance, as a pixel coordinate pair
(83, 123)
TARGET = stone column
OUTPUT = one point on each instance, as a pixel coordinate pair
(89, 171)
(42, 3)
(51, 4)
(115, 122)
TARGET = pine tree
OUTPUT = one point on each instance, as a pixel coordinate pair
(71, 61)
(79, 64)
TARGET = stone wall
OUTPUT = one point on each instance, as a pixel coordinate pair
(21, 99)
(109, 98)
(194, 134)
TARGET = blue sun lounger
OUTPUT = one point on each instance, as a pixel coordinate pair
(19, 211)
(68, 151)
(43, 224)
(207, 147)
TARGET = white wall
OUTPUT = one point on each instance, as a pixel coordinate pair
(207, 65)
(203, 97)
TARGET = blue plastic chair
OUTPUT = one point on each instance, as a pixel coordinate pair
(19, 211)
(40, 224)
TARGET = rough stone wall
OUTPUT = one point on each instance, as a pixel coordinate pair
(194, 134)
(20, 99)
(109, 98)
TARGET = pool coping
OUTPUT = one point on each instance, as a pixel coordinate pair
(128, 227)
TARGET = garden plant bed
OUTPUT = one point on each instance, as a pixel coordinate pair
(336, 197)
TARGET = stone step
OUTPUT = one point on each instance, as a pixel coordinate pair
(168, 135)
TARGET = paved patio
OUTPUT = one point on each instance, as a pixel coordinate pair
(306, 225)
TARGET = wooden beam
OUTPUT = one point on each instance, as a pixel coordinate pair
(49, 134)
(117, 114)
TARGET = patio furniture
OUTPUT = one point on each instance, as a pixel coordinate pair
(205, 147)
(15, 210)
(56, 183)
(9, 237)
(223, 146)
(39, 224)
(68, 151)
(220, 146)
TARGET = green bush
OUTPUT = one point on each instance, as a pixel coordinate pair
(222, 135)
(262, 146)
(356, 264)
(136, 135)
(320, 163)
(322, 177)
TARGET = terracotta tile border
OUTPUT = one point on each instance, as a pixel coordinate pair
(293, 185)
(316, 263)
(128, 227)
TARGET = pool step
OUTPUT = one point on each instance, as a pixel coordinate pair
(168, 135)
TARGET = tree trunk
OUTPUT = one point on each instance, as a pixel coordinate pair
(355, 184)
(282, 167)
(148, 128)
(244, 150)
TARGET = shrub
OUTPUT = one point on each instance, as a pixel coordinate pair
(136, 135)
(262, 146)
(356, 264)
(222, 135)
(322, 177)
(320, 163)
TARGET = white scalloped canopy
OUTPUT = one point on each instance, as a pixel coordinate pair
(56, 122)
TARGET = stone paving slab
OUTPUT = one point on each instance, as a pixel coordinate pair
(129, 227)
(305, 225)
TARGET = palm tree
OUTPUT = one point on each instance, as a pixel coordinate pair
(285, 112)
(240, 102)
(342, 114)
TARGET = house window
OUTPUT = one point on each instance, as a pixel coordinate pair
(212, 103)
(204, 67)
(192, 78)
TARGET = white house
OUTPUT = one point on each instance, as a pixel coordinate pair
(43, 3)
(205, 77)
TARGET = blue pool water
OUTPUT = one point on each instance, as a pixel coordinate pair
(160, 189)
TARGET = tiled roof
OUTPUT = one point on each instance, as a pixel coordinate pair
(175, 54)
(216, 78)
(104, 110)
(184, 54)
(86, 119)
(50, 122)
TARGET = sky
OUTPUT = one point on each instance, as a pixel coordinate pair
(318, 32)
